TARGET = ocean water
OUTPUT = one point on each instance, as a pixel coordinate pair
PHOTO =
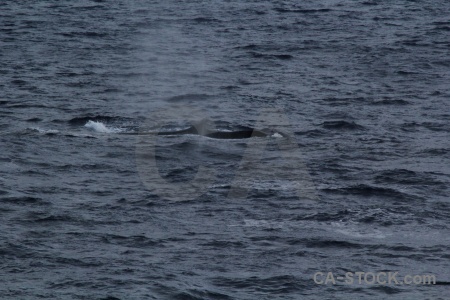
(353, 175)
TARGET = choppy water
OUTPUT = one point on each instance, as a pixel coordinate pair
(358, 180)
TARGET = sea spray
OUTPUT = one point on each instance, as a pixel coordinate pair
(100, 127)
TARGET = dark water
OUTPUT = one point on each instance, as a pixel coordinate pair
(353, 177)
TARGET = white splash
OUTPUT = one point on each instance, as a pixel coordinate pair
(277, 135)
(100, 127)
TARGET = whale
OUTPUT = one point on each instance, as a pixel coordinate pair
(204, 128)
(237, 134)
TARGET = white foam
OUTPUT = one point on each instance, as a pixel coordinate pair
(357, 230)
(45, 131)
(100, 127)
(277, 135)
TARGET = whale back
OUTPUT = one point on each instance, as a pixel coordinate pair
(206, 128)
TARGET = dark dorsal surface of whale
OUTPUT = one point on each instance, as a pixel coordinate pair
(238, 134)
(204, 128)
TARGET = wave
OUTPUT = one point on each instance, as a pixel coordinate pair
(302, 11)
(276, 56)
(408, 177)
(342, 125)
(365, 190)
(44, 131)
(206, 20)
(311, 133)
(188, 97)
(391, 102)
(24, 201)
(100, 127)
